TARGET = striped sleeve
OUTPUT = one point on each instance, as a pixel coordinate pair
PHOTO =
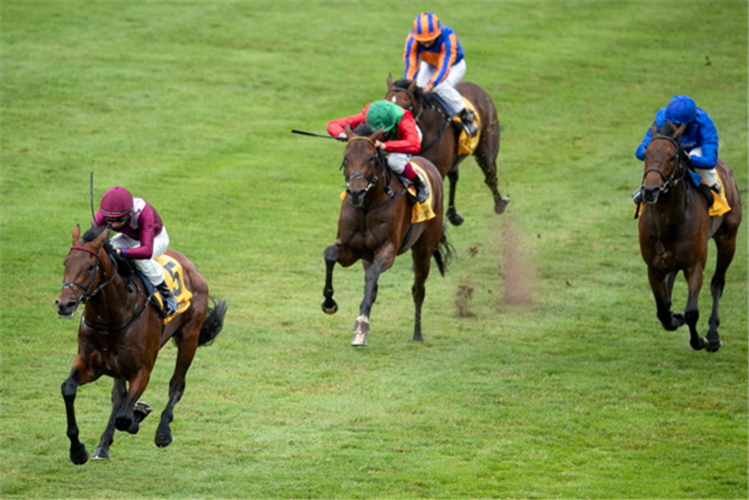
(448, 56)
(410, 58)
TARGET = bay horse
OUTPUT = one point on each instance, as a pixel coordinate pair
(121, 333)
(375, 226)
(440, 136)
(674, 231)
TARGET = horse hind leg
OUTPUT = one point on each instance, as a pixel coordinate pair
(691, 312)
(452, 213)
(486, 158)
(726, 250)
(119, 392)
(186, 349)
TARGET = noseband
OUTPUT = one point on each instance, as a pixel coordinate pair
(678, 173)
(87, 294)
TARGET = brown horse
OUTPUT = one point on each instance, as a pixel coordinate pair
(440, 136)
(675, 229)
(375, 226)
(121, 334)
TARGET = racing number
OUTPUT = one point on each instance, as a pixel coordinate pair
(176, 277)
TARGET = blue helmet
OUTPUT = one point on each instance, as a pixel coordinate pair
(681, 109)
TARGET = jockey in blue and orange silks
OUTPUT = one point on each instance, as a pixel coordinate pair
(434, 57)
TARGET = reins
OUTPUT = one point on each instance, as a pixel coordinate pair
(88, 295)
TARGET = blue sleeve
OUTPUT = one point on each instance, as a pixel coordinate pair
(640, 153)
(708, 141)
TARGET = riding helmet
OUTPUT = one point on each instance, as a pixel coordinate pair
(426, 27)
(116, 202)
(681, 109)
(383, 114)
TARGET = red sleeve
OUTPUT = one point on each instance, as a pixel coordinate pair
(336, 127)
(408, 140)
(147, 225)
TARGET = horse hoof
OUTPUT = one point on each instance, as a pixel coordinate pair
(360, 340)
(698, 344)
(79, 456)
(164, 440)
(500, 207)
(123, 423)
(100, 454)
(455, 219)
(329, 307)
(713, 345)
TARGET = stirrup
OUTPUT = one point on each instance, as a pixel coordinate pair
(170, 306)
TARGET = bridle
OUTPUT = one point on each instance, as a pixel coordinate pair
(87, 293)
(678, 173)
(374, 177)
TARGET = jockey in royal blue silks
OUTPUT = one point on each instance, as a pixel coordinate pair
(699, 140)
(434, 58)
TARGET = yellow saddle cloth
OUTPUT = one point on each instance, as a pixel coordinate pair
(175, 280)
(421, 211)
(466, 143)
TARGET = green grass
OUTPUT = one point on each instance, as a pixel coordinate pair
(574, 391)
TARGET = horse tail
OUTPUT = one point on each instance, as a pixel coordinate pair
(444, 253)
(213, 323)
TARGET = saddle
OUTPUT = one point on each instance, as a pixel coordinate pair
(466, 144)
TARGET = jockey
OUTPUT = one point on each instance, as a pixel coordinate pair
(433, 56)
(699, 140)
(402, 138)
(142, 236)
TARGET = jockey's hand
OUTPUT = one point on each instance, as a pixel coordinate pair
(341, 136)
(379, 144)
(428, 87)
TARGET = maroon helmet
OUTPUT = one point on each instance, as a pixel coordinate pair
(116, 203)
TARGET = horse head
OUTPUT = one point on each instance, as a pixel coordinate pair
(664, 161)
(83, 270)
(405, 94)
(363, 163)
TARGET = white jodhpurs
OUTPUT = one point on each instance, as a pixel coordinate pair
(397, 161)
(446, 89)
(707, 173)
(149, 267)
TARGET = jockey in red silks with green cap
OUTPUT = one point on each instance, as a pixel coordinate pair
(142, 236)
(401, 140)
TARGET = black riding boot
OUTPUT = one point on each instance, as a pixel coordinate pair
(467, 117)
(422, 189)
(170, 302)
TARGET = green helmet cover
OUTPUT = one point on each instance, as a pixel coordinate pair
(384, 114)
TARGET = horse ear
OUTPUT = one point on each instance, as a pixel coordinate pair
(76, 233)
(680, 130)
(99, 241)
(390, 80)
(377, 135)
(347, 130)
(654, 129)
(412, 86)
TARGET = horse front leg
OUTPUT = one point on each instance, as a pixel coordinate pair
(661, 286)
(329, 304)
(78, 452)
(452, 214)
(692, 312)
(382, 262)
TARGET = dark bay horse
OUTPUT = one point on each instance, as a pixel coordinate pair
(440, 137)
(121, 333)
(675, 229)
(375, 226)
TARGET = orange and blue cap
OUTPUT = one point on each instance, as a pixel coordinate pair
(426, 27)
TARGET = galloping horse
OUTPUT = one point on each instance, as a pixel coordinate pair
(375, 225)
(121, 334)
(675, 229)
(440, 137)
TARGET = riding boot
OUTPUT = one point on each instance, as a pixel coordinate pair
(170, 302)
(467, 117)
(422, 188)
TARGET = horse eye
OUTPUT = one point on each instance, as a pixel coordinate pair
(91, 268)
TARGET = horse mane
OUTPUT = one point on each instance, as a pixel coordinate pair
(124, 267)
